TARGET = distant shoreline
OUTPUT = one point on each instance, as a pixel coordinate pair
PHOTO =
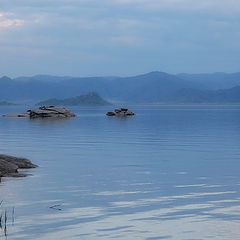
(135, 104)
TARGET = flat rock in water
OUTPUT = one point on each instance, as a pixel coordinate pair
(9, 166)
(44, 112)
(50, 112)
(20, 162)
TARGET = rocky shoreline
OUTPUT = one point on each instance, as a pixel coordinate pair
(9, 166)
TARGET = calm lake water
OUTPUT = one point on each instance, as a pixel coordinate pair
(170, 172)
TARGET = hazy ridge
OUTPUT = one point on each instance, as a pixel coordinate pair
(90, 99)
(154, 87)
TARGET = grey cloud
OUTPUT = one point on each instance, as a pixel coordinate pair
(176, 34)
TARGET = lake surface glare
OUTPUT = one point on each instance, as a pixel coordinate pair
(170, 172)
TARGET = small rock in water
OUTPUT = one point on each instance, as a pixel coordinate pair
(121, 112)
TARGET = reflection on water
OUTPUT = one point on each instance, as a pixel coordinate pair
(168, 173)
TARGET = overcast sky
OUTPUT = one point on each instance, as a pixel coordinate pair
(118, 37)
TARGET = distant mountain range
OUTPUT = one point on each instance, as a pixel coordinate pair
(153, 87)
(90, 99)
(214, 81)
(231, 95)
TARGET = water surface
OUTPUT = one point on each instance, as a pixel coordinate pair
(170, 172)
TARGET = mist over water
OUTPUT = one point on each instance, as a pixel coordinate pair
(170, 172)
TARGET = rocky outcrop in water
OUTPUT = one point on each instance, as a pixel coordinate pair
(45, 112)
(50, 112)
(121, 112)
(9, 166)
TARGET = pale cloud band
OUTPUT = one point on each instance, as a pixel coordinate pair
(188, 5)
(222, 5)
(7, 20)
(120, 36)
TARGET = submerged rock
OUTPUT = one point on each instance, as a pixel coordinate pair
(9, 166)
(44, 112)
(121, 112)
(20, 115)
